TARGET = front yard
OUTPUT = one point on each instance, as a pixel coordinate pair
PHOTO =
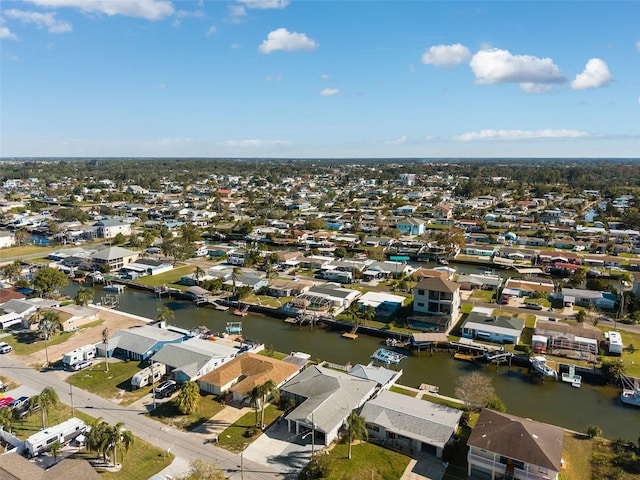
(168, 413)
(244, 431)
(114, 385)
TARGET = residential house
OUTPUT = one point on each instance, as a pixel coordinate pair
(411, 226)
(74, 316)
(436, 296)
(322, 299)
(193, 358)
(280, 287)
(147, 266)
(7, 239)
(579, 337)
(14, 466)
(113, 258)
(482, 325)
(384, 304)
(110, 227)
(245, 372)
(410, 424)
(247, 280)
(324, 398)
(506, 446)
(589, 298)
(138, 343)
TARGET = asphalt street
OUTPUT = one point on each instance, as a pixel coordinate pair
(183, 445)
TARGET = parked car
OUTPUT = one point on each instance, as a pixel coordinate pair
(5, 347)
(165, 389)
(5, 401)
(533, 306)
(19, 402)
(80, 365)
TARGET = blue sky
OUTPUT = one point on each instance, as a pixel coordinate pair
(304, 79)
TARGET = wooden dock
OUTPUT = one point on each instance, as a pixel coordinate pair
(352, 335)
(468, 357)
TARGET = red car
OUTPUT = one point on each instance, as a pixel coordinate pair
(5, 401)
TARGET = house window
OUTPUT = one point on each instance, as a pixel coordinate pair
(372, 427)
(391, 435)
(420, 304)
(420, 292)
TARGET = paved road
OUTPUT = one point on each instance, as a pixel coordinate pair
(181, 444)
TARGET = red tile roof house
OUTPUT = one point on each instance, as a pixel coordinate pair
(506, 446)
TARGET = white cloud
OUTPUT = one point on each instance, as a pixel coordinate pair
(330, 92)
(638, 45)
(446, 55)
(162, 86)
(638, 100)
(273, 78)
(253, 143)
(180, 14)
(398, 141)
(212, 30)
(42, 20)
(236, 12)
(6, 34)
(264, 4)
(529, 87)
(595, 74)
(326, 77)
(282, 39)
(493, 65)
(519, 135)
(147, 9)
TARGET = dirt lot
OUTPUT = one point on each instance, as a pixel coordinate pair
(112, 319)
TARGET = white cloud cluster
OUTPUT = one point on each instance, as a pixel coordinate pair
(41, 20)
(330, 92)
(147, 9)
(519, 135)
(6, 34)
(534, 74)
(446, 55)
(398, 141)
(264, 4)
(493, 65)
(282, 39)
(595, 74)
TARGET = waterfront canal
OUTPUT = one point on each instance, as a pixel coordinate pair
(553, 402)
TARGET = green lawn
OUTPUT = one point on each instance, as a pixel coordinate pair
(167, 412)
(29, 342)
(442, 401)
(26, 250)
(630, 359)
(168, 278)
(368, 461)
(576, 450)
(403, 391)
(114, 385)
(483, 295)
(276, 355)
(243, 432)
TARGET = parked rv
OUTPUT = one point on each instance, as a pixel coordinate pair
(84, 353)
(148, 376)
(63, 433)
(614, 342)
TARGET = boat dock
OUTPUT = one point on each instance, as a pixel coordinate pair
(571, 377)
(211, 300)
(352, 335)
(468, 357)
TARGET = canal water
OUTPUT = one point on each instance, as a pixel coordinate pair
(552, 402)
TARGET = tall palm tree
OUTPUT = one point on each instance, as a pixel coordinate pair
(46, 399)
(198, 274)
(50, 323)
(188, 398)
(6, 419)
(261, 393)
(95, 437)
(55, 448)
(83, 296)
(356, 429)
(117, 437)
(368, 314)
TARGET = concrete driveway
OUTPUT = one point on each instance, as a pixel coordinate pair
(283, 451)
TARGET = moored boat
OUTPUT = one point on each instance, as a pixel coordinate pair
(630, 391)
(387, 356)
(539, 364)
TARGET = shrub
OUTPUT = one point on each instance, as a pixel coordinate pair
(594, 431)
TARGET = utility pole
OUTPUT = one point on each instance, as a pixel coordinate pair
(105, 340)
(153, 390)
(73, 411)
(313, 436)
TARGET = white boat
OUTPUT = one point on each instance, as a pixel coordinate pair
(630, 391)
(539, 364)
(387, 356)
(572, 378)
(114, 287)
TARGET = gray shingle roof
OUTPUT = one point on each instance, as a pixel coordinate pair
(191, 353)
(414, 418)
(330, 396)
(142, 339)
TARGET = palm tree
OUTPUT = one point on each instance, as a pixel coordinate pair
(368, 314)
(96, 436)
(356, 429)
(187, 399)
(50, 323)
(44, 400)
(6, 418)
(164, 314)
(83, 296)
(260, 394)
(198, 274)
(117, 437)
(55, 448)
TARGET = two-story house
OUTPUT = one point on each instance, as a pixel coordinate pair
(436, 303)
(506, 446)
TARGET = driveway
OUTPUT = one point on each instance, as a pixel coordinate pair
(277, 448)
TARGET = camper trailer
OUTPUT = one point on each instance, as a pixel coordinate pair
(148, 376)
(86, 352)
(614, 340)
(63, 433)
